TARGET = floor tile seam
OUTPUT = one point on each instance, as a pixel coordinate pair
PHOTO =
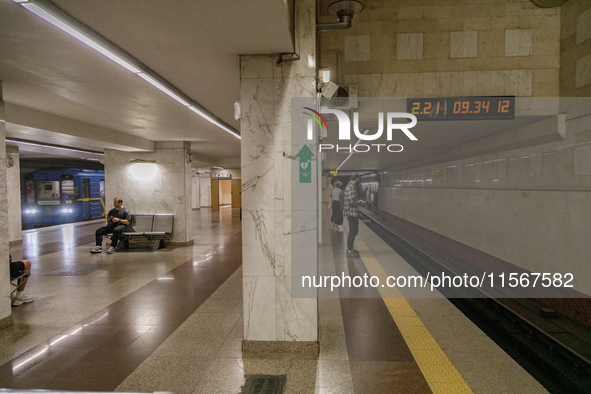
(59, 226)
(395, 301)
(76, 244)
(343, 339)
(155, 356)
(72, 245)
(70, 326)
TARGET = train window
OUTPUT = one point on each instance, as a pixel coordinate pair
(29, 192)
(102, 188)
(86, 188)
(68, 191)
(48, 192)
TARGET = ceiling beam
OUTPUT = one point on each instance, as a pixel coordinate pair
(39, 120)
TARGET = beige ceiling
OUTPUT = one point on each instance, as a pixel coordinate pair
(194, 44)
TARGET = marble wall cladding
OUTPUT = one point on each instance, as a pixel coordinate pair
(504, 82)
(270, 177)
(300, 245)
(583, 27)
(258, 181)
(518, 42)
(518, 167)
(583, 71)
(446, 84)
(256, 67)
(259, 307)
(257, 122)
(527, 206)
(535, 166)
(575, 51)
(205, 190)
(524, 83)
(286, 89)
(583, 160)
(357, 48)
(195, 191)
(5, 308)
(454, 173)
(457, 38)
(258, 242)
(542, 231)
(167, 191)
(409, 46)
(556, 163)
(477, 172)
(463, 44)
(300, 315)
(188, 198)
(14, 196)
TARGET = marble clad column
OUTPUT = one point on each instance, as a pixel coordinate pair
(205, 189)
(195, 191)
(4, 271)
(168, 190)
(272, 221)
(13, 181)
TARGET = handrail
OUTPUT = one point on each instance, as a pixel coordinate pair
(95, 199)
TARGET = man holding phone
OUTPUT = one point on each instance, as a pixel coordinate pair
(351, 212)
(117, 222)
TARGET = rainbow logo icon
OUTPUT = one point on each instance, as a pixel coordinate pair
(317, 117)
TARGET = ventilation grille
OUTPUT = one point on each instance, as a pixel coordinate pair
(264, 384)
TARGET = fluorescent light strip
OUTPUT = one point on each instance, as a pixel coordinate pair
(60, 24)
(351, 153)
(343, 162)
(229, 130)
(204, 115)
(215, 122)
(54, 147)
(63, 25)
(162, 88)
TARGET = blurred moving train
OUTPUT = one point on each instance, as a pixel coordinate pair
(62, 195)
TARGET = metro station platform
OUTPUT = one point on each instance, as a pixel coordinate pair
(171, 320)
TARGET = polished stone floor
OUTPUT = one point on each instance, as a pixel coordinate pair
(171, 320)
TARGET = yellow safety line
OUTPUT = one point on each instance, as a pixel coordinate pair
(439, 372)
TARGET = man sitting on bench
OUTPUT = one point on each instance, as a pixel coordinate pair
(117, 222)
(16, 269)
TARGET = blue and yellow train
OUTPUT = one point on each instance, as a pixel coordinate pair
(62, 195)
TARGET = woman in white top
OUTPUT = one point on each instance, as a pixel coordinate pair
(337, 209)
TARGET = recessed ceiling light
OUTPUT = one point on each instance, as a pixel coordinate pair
(53, 147)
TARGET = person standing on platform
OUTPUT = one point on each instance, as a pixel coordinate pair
(351, 211)
(117, 222)
(337, 209)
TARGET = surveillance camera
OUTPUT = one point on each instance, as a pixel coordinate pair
(329, 89)
(343, 97)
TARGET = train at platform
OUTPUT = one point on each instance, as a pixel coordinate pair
(62, 195)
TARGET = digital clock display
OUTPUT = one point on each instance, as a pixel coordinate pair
(460, 108)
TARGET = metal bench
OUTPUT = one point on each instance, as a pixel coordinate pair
(153, 227)
(17, 281)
